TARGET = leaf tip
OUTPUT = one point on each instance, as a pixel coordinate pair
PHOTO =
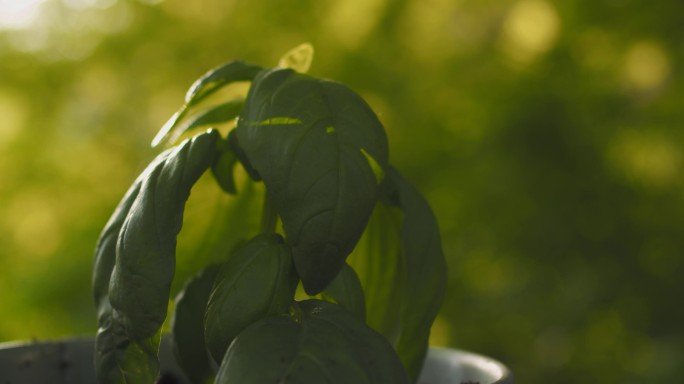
(374, 165)
(298, 58)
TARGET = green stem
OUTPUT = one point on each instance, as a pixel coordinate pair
(269, 216)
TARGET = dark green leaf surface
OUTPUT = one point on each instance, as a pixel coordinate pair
(346, 290)
(209, 83)
(320, 150)
(258, 280)
(187, 326)
(234, 144)
(322, 343)
(425, 271)
(146, 246)
(223, 167)
(113, 345)
(135, 258)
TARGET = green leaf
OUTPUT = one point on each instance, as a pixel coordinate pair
(187, 326)
(118, 359)
(135, 259)
(234, 144)
(223, 167)
(215, 115)
(298, 58)
(113, 347)
(425, 271)
(209, 83)
(379, 262)
(311, 141)
(218, 77)
(258, 280)
(105, 250)
(346, 290)
(112, 342)
(146, 246)
(322, 343)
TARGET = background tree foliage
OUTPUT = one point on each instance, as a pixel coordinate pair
(546, 135)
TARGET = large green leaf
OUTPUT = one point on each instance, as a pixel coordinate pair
(117, 357)
(320, 343)
(146, 246)
(425, 267)
(258, 280)
(209, 83)
(135, 262)
(321, 151)
(113, 345)
(187, 326)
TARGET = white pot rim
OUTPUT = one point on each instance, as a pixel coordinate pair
(448, 365)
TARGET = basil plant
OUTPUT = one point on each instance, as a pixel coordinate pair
(343, 279)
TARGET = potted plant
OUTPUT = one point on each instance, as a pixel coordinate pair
(341, 283)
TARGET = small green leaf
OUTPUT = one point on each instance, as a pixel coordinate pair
(377, 168)
(215, 115)
(346, 291)
(258, 280)
(187, 326)
(209, 83)
(324, 344)
(222, 169)
(323, 185)
(298, 58)
(218, 77)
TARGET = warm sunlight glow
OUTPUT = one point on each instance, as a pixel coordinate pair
(351, 21)
(646, 65)
(645, 158)
(13, 112)
(530, 29)
(19, 14)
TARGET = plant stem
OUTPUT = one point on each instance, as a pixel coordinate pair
(269, 216)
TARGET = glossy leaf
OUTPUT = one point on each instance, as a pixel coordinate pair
(317, 146)
(346, 290)
(258, 280)
(321, 343)
(187, 326)
(209, 83)
(425, 271)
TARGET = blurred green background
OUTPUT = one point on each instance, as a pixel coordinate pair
(547, 135)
